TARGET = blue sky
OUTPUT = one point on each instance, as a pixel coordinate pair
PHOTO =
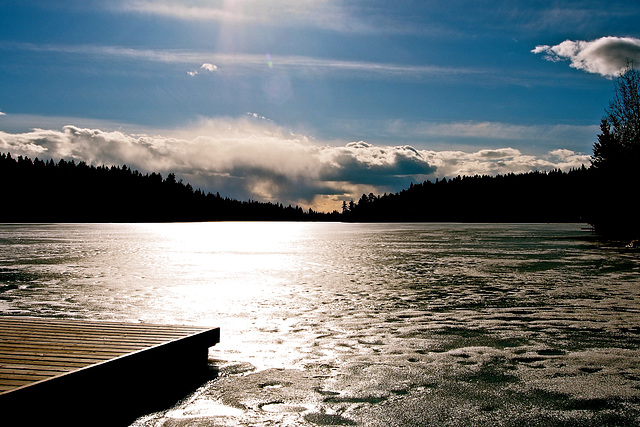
(311, 102)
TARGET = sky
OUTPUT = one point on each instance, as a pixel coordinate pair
(311, 102)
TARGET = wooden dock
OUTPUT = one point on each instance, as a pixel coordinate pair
(105, 373)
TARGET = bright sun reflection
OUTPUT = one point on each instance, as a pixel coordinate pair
(222, 274)
(228, 236)
(223, 263)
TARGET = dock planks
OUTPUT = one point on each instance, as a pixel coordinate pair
(72, 369)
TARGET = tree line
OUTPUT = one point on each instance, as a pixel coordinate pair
(554, 196)
(66, 191)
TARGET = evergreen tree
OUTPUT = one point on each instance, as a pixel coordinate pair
(615, 160)
(618, 146)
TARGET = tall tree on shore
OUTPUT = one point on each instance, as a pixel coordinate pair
(615, 161)
(618, 146)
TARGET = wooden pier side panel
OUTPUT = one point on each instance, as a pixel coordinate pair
(96, 373)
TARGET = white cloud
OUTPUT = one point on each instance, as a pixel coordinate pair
(251, 157)
(205, 67)
(606, 56)
(209, 67)
(503, 161)
(2, 114)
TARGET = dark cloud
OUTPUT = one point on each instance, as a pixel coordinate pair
(379, 166)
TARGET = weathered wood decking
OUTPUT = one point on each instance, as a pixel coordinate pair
(83, 372)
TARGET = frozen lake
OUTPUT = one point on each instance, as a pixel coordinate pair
(359, 324)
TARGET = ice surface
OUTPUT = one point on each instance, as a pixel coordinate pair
(350, 324)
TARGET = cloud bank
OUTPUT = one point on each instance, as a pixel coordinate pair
(606, 56)
(253, 158)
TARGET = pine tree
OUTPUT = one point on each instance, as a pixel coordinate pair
(615, 160)
(618, 146)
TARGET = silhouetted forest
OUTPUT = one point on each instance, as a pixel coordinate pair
(46, 191)
(39, 191)
(531, 197)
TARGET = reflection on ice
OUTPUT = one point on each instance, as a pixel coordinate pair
(204, 409)
(375, 324)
